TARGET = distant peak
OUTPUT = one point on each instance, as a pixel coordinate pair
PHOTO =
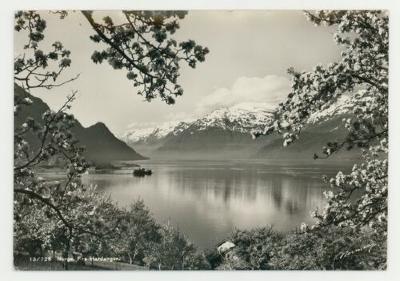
(99, 126)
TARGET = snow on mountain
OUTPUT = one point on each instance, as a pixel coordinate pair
(153, 133)
(137, 134)
(241, 118)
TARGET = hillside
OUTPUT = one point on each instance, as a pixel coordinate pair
(101, 146)
(311, 140)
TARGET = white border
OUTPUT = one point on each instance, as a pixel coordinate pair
(6, 137)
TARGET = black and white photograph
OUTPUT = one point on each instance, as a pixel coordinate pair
(200, 140)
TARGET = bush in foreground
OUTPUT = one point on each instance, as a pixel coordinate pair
(330, 248)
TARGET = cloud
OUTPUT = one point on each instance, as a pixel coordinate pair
(269, 90)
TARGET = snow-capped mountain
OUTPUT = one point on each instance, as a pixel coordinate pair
(226, 132)
(152, 134)
(242, 118)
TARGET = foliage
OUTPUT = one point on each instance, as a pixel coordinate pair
(351, 231)
(135, 234)
(253, 249)
(174, 252)
(359, 198)
(143, 46)
(331, 248)
(31, 69)
(66, 216)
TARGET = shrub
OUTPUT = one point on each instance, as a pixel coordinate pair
(253, 249)
(174, 252)
(329, 248)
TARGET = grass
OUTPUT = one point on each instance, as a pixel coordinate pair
(53, 266)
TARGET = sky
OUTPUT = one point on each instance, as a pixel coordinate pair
(250, 52)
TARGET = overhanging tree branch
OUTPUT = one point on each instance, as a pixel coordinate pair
(88, 16)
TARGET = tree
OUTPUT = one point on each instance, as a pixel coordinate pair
(174, 252)
(359, 199)
(330, 248)
(137, 231)
(142, 45)
(67, 212)
(253, 249)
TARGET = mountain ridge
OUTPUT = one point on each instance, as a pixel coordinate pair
(226, 132)
(101, 145)
(236, 119)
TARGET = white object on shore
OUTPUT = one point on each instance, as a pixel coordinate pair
(225, 247)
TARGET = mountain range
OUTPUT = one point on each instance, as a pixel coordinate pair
(226, 133)
(101, 146)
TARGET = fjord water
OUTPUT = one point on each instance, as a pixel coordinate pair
(207, 200)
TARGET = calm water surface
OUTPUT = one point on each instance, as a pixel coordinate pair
(207, 200)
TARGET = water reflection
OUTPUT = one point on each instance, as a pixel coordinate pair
(206, 201)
